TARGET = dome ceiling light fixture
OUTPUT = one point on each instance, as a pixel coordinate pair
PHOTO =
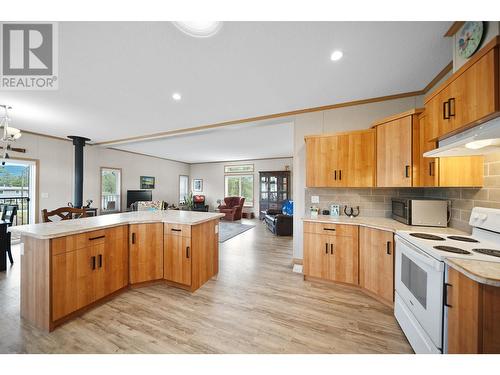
(199, 29)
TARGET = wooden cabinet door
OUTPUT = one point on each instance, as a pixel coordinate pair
(145, 252)
(463, 295)
(115, 261)
(64, 284)
(394, 153)
(86, 265)
(473, 94)
(177, 257)
(361, 161)
(339, 162)
(342, 259)
(320, 155)
(434, 117)
(461, 171)
(425, 170)
(376, 262)
(316, 252)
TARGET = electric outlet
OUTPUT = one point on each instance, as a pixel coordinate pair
(314, 198)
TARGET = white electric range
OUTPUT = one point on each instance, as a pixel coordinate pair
(420, 275)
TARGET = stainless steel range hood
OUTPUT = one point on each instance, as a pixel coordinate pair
(480, 140)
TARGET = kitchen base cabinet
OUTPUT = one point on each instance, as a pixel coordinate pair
(376, 263)
(145, 252)
(191, 257)
(473, 311)
(87, 268)
(331, 252)
(177, 258)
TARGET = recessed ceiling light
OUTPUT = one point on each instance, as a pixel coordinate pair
(336, 55)
(176, 96)
(199, 29)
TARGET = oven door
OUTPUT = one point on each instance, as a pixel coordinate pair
(400, 210)
(419, 283)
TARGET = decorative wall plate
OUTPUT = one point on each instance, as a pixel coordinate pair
(469, 38)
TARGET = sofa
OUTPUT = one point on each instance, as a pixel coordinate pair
(279, 223)
(232, 208)
(199, 203)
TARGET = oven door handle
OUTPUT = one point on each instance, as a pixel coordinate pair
(418, 255)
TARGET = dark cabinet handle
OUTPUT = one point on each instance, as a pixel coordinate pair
(331, 248)
(430, 168)
(187, 252)
(335, 175)
(388, 249)
(96, 238)
(176, 230)
(326, 248)
(133, 238)
(331, 229)
(340, 174)
(407, 171)
(93, 263)
(450, 112)
(100, 260)
(446, 115)
(445, 294)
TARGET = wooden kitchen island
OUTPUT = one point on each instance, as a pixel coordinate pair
(70, 266)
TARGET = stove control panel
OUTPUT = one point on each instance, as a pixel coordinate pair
(485, 218)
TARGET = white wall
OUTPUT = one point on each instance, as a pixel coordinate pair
(331, 121)
(56, 165)
(213, 178)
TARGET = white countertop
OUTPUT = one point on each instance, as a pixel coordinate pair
(86, 224)
(382, 223)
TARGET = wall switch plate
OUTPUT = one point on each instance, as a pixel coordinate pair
(44, 195)
(314, 198)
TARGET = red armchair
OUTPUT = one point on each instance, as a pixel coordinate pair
(232, 207)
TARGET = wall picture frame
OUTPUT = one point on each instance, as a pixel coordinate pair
(147, 182)
(197, 185)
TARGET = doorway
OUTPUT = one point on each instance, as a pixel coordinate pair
(18, 188)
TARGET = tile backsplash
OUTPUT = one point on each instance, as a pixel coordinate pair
(377, 201)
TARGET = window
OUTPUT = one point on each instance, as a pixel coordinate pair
(183, 188)
(241, 168)
(240, 185)
(111, 189)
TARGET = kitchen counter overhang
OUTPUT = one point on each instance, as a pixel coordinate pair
(45, 231)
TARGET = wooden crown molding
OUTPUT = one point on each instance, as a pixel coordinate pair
(454, 28)
(414, 111)
(200, 128)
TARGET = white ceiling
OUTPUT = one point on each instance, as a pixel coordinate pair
(239, 142)
(117, 78)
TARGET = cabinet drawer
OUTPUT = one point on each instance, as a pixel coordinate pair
(331, 229)
(183, 230)
(69, 243)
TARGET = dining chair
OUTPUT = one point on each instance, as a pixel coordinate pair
(9, 215)
(64, 213)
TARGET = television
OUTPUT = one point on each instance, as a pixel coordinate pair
(138, 196)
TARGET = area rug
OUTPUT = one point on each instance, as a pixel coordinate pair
(230, 230)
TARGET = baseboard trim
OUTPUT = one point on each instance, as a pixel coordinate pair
(297, 261)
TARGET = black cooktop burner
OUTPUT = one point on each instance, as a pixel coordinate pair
(463, 239)
(494, 253)
(427, 236)
(451, 249)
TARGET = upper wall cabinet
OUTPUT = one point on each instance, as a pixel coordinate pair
(341, 160)
(401, 141)
(470, 96)
(394, 149)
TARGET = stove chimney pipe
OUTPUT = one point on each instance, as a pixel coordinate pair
(79, 143)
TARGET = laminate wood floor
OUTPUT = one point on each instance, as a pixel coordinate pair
(256, 305)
